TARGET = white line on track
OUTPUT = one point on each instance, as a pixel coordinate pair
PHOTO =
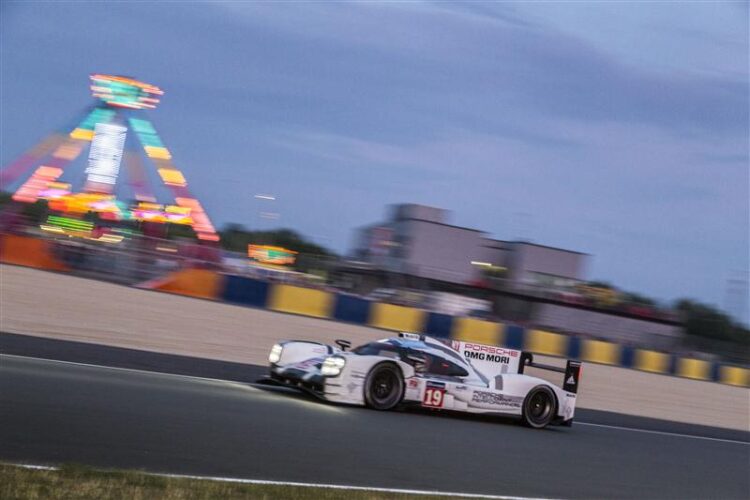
(663, 433)
(316, 485)
(253, 386)
(136, 370)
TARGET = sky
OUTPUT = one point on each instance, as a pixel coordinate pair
(619, 129)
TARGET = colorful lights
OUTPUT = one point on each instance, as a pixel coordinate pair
(70, 223)
(152, 212)
(172, 177)
(105, 157)
(39, 180)
(267, 254)
(68, 151)
(82, 134)
(104, 131)
(77, 228)
(124, 92)
(85, 130)
(82, 203)
(55, 190)
(201, 224)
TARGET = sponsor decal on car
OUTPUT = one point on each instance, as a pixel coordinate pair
(434, 397)
(496, 399)
(489, 353)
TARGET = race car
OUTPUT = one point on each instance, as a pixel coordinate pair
(433, 373)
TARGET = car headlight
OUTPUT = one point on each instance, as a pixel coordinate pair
(275, 354)
(332, 366)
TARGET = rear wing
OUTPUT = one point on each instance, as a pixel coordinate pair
(572, 371)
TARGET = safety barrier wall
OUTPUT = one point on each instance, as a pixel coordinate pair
(286, 298)
(200, 283)
(30, 252)
(350, 309)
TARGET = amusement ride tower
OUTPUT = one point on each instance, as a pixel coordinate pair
(114, 130)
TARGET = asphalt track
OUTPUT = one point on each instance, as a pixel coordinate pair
(54, 412)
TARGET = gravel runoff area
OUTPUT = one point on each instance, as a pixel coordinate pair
(52, 305)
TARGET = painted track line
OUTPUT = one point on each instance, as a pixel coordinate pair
(663, 433)
(342, 487)
(136, 370)
(257, 386)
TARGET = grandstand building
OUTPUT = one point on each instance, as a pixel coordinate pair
(418, 240)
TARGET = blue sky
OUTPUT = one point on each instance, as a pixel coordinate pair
(615, 128)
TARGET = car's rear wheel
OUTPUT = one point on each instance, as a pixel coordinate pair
(384, 386)
(539, 407)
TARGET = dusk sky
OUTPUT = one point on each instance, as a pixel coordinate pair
(616, 129)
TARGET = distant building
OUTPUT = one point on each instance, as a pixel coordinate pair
(529, 263)
(417, 240)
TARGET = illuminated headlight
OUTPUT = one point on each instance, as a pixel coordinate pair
(275, 354)
(332, 366)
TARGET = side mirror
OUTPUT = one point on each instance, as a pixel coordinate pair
(526, 359)
(343, 344)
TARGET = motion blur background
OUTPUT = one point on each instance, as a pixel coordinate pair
(581, 169)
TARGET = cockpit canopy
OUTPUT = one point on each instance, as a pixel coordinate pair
(429, 358)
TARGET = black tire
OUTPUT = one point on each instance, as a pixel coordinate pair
(539, 407)
(384, 386)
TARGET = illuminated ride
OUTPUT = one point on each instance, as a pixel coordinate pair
(115, 131)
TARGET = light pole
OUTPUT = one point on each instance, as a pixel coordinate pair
(266, 214)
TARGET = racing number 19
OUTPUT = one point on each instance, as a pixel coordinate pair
(433, 397)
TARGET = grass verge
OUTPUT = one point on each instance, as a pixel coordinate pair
(81, 482)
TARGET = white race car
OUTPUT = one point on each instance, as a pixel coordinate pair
(416, 369)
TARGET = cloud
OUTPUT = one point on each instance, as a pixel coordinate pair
(495, 58)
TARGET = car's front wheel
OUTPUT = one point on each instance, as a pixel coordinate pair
(384, 386)
(539, 407)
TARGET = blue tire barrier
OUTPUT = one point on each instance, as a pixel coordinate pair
(351, 309)
(245, 291)
(514, 337)
(627, 357)
(438, 325)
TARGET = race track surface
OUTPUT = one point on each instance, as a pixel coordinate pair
(54, 412)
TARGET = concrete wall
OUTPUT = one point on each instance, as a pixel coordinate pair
(629, 331)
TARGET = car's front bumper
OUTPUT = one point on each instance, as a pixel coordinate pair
(299, 379)
(326, 388)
